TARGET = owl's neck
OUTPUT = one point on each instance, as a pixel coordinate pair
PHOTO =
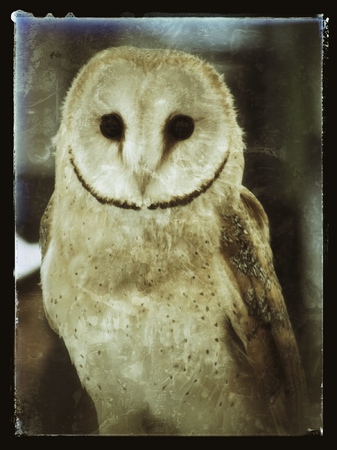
(194, 227)
(167, 243)
(136, 244)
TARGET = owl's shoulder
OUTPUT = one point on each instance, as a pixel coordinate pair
(45, 226)
(245, 236)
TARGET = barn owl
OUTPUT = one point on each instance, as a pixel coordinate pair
(157, 270)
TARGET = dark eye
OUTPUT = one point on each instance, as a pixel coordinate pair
(180, 127)
(112, 126)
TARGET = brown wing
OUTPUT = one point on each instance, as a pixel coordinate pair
(261, 320)
(45, 225)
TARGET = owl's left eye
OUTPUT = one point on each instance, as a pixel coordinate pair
(112, 126)
(180, 127)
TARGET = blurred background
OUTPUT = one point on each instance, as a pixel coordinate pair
(273, 67)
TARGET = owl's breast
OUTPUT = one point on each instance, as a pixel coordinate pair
(160, 346)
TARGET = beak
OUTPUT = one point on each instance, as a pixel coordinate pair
(143, 178)
(142, 161)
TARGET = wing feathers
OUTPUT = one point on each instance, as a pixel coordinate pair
(45, 227)
(261, 320)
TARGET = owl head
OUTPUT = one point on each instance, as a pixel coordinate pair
(148, 129)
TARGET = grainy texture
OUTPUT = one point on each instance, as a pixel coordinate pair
(173, 316)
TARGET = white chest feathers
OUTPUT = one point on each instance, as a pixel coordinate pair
(144, 320)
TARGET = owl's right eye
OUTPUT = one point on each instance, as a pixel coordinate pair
(112, 126)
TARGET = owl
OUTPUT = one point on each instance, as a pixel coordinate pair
(157, 270)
